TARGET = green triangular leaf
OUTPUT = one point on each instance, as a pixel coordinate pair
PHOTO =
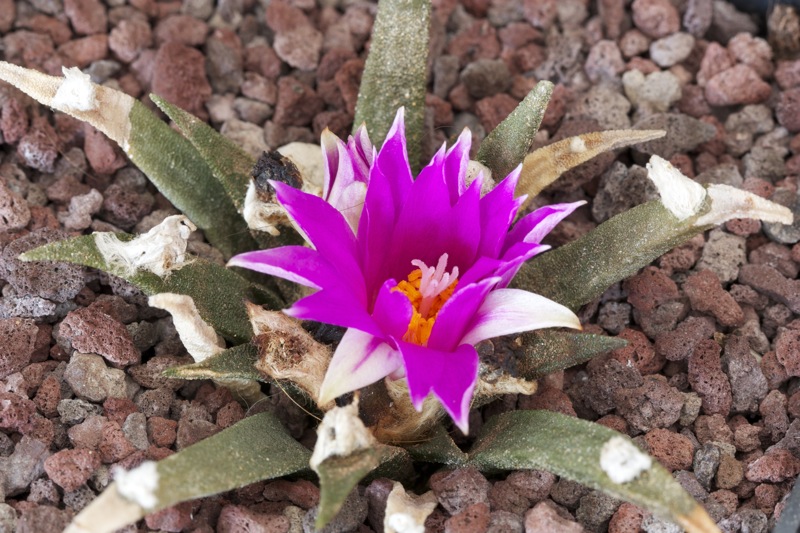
(234, 363)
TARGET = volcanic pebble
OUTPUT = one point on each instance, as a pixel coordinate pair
(774, 467)
(91, 331)
(672, 450)
(19, 340)
(543, 518)
(656, 18)
(70, 469)
(458, 489)
(473, 519)
(737, 85)
(706, 295)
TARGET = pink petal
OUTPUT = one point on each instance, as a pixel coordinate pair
(392, 311)
(507, 311)
(328, 231)
(450, 375)
(296, 263)
(455, 166)
(498, 209)
(359, 360)
(336, 306)
(535, 226)
(457, 313)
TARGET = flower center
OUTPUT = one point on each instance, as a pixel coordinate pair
(427, 288)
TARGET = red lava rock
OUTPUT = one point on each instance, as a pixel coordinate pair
(604, 61)
(297, 103)
(773, 370)
(754, 52)
(458, 489)
(179, 76)
(185, 29)
(348, 80)
(787, 74)
(678, 344)
(39, 147)
(162, 431)
(638, 352)
(83, 52)
(174, 519)
(195, 425)
(16, 412)
(653, 405)
(302, 493)
(768, 280)
(229, 414)
(297, 41)
(612, 14)
(48, 396)
(473, 519)
(649, 289)
(672, 450)
(788, 109)
(86, 16)
(235, 518)
(91, 331)
(478, 41)
(627, 519)
(730, 472)
(19, 340)
(773, 411)
(656, 18)
(549, 399)
(774, 467)
(787, 350)
(707, 378)
(113, 445)
(13, 120)
(748, 383)
(706, 295)
(716, 59)
(737, 85)
(683, 257)
(606, 377)
(103, 154)
(543, 518)
(124, 207)
(39, 518)
(70, 469)
(712, 428)
(767, 497)
(129, 38)
(118, 409)
(492, 110)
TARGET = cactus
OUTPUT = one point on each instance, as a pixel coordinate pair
(366, 236)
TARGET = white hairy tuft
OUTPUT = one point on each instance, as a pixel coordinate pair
(341, 433)
(681, 195)
(622, 461)
(139, 485)
(76, 91)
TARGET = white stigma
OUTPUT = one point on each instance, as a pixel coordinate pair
(434, 281)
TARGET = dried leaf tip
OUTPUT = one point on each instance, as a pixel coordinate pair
(341, 433)
(685, 197)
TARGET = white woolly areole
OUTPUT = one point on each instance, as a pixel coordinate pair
(76, 91)
(138, 485)
(577, 145)
(262, 216)
(622, 461)
(340, 434)
(200, 339)
(406, 513)
(729, 202)
(681, 195)
(160, 251)
(475, 168)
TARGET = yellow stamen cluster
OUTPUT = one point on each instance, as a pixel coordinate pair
(421, 324)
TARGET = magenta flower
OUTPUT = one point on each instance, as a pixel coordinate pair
(416, 270)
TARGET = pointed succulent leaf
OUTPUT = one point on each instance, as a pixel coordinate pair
(234, 363)
(590, 454)
(338, 476)
(546, 351)
(220, 303)
(255, 449)
(396, 76)
(508, 144)
(619, 247)
(613, 251)
(395, 463)
(230, 164)
(544, 166)
(169, 160)
(438, 448)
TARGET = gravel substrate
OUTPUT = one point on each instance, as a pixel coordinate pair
(81, 353)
